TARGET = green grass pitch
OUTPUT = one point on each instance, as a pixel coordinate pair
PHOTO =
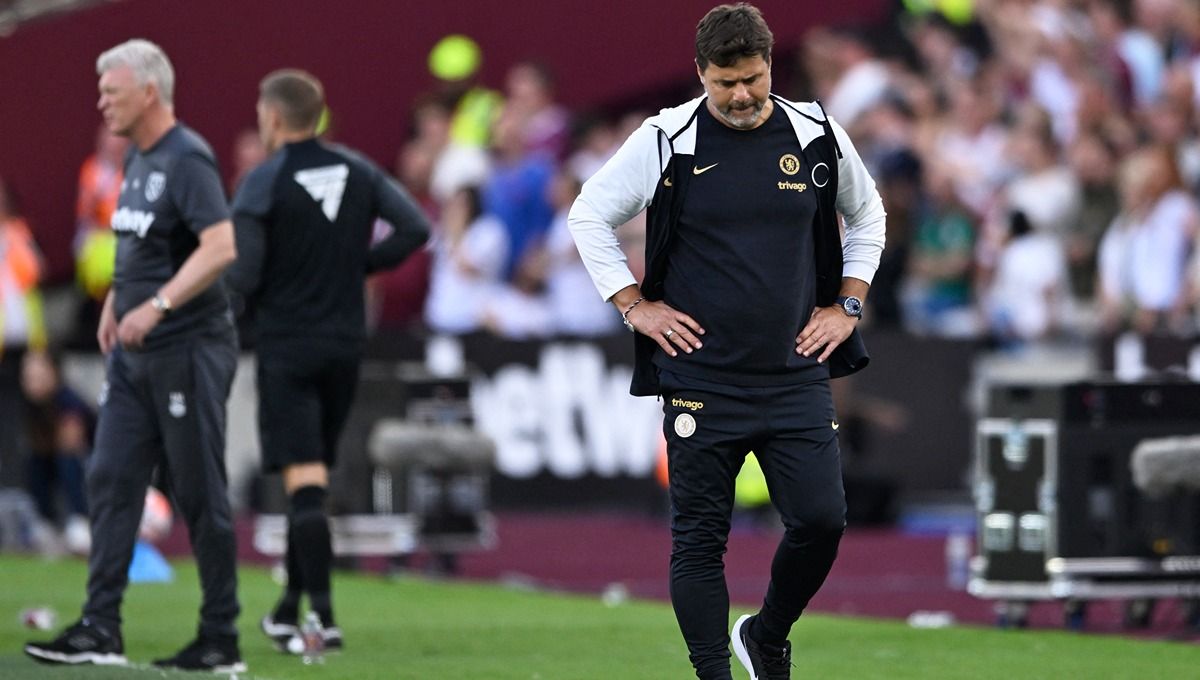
(416, 629)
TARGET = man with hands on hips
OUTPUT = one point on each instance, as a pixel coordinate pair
(749, 306)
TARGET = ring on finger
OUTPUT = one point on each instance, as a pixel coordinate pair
(669, 333)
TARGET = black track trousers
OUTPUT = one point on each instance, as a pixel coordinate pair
(792, 430)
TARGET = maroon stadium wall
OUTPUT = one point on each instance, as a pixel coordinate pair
(370, 53)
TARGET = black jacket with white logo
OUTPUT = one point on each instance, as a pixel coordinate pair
(305, 221)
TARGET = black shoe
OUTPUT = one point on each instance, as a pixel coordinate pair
(81, 643)
(216, 654)
(279, 631)
(333, 639)
(762, 661)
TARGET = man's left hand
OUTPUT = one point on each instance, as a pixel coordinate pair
(137, 324)
(828, 327)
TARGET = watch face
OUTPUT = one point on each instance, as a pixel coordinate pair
(853, 306)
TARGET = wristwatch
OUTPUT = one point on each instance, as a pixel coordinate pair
(162, 304)
(851, 305)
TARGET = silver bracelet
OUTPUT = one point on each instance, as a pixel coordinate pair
(625, 314)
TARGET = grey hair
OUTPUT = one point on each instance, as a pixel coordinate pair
(148, 62)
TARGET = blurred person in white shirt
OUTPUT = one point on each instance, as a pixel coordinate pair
(575, 309)
(1144, 254)
(469, 252)
(971, 145)
(1045, 190)
(1024, 300)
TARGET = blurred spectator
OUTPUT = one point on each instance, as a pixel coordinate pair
(454, 164)
(1099, 113)
(95, 245)
(396, 297)
(575, 309)
(455, 60)
(971, 146)
(519, 309)
(1144, 254)
(248, 153)
(1141, 57)
(414, 169)
(890, 134)
(1044, 190)
(1189, 26)
(469, 253)
(1024, 300)
(20, 326)
(945, 58)
(595, 144)
(1060, 66)
(58, 427)
(530, 90)
(938, 296)
(516, 191)
(1167, 122)
(899, 181)
(852, 78)
(99, 185)
(475, 110)
(20, 270)
(1093, 161)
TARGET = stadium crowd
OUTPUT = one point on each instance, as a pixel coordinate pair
(1039, 161)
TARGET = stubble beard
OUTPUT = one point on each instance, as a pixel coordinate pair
(742, 123)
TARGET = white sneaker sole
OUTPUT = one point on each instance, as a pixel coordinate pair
(76, 659)
(273, 629)
(739, 648)
(239, 667)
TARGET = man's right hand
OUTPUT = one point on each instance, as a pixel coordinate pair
(106, 333)
(667, 326)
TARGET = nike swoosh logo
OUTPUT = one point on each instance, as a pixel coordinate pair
(834, 423)
(701, 171)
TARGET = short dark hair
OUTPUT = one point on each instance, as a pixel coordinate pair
(730, 32)
(298, 94)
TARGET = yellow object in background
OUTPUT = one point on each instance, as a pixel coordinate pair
(324, 121)
(94, 265)
(750, 489)
(454, 57)
(957, 12)
(473, 118)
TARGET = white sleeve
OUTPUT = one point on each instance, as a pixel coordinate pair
(620, 189)
(859, 203)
